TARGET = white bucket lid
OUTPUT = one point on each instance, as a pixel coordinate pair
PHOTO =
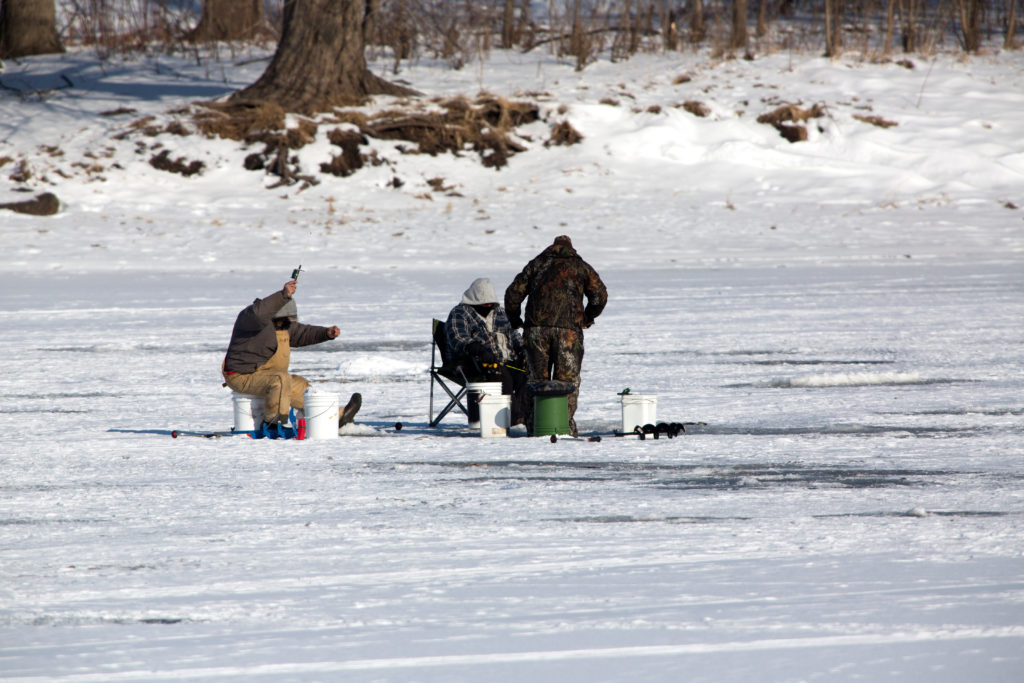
(485, 387)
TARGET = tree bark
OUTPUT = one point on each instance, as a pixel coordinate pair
(970, 23)
(28, 27)
(890, 20)
(697, 28)
(739, 25)
(508, 25)
(669, 34)
(1011, 26)
(762, 18)
(908, 10)
(834, 10)
(370, 18)
(319, 62)
(230, 20)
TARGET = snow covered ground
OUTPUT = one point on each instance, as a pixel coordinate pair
(844, 313)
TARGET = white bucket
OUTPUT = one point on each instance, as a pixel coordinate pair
(474, 391)
(495, 415)
(322, 414)
(248, 411)
(638, 409)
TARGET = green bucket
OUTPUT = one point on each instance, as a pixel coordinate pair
(550, 415)
(551, 407)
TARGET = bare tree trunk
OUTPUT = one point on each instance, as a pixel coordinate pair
(739, 25)
(697, 27)
(579, 41)
(28, 27)
(833, 28)
(576, 35)
(1011, 26)
(370, 18)
(508, 25)
(890, 21)
(621, 42)
(970, 23)
(635, 29)
(230, 20)
(762, 18)
(319, 60)
(524, 27)
(908, 22)
(669, 32)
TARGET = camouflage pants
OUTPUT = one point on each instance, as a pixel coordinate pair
(555, 353)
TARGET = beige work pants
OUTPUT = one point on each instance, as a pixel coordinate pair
(278, 389)
(272, 381)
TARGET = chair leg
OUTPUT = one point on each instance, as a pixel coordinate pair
(454, 402)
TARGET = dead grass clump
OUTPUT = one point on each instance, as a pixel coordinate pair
(698, 109)
(262, 123)
(482, 126)
(564, 134)
(45, 204)
(875, 121)
(163, 162)
(505, 115)
(119, 111)
(238, 121)
(793, 132)
(787, 118)
(22, 173)
(791, 112)
(350, 160)
(177, 128)
(139, 124)
(453, 126)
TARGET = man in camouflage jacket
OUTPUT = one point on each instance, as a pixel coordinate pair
(554, 284)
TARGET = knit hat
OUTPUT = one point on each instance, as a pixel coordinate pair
(480, 292)
(289, 310)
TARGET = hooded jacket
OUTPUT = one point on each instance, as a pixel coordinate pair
(254, 340)
(554, 284)
(465, 328)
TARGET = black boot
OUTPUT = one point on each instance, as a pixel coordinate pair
(351, 408)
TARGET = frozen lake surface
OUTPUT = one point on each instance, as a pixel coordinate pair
(851, 510)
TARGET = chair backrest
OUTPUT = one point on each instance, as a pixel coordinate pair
(442, 366)
(440, 340)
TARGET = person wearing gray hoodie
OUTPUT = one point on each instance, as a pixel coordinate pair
(479, 335)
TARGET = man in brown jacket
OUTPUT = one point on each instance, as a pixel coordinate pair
(555, 282)
(259, 353)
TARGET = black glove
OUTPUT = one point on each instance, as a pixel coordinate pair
(481, 353)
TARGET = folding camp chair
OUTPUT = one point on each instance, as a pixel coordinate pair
(441, 371)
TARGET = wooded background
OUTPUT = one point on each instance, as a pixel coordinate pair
(459, 31)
